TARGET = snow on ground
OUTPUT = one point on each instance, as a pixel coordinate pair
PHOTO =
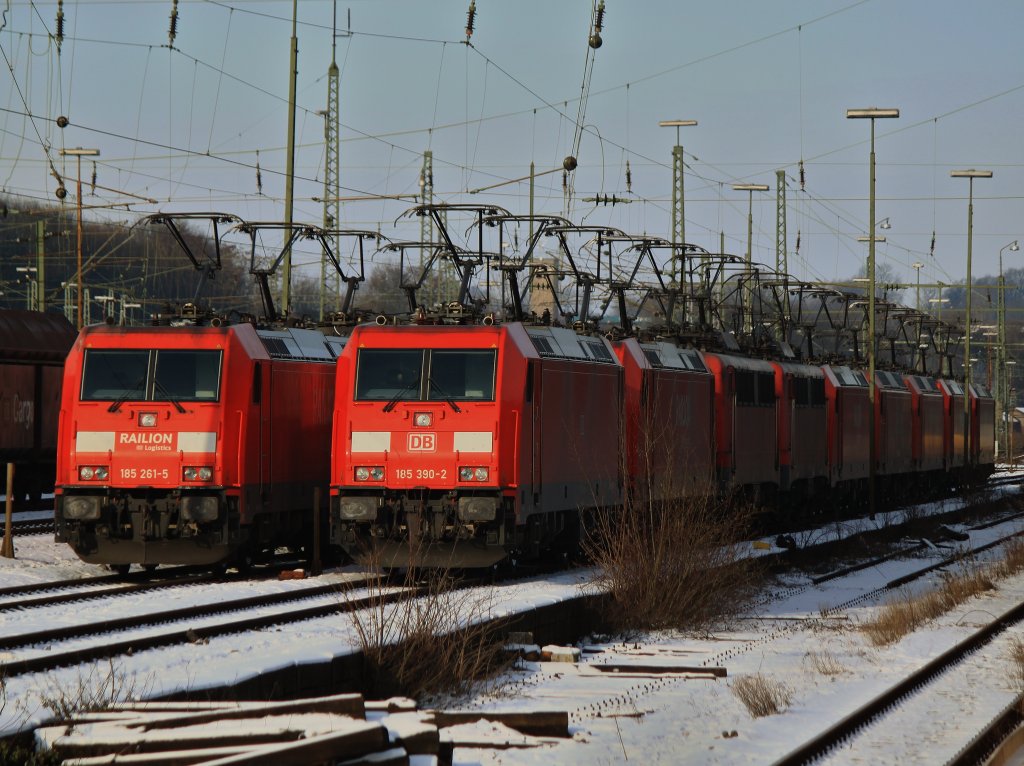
(615, 717)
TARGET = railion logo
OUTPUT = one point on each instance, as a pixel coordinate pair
(422, 442)
(146, 441)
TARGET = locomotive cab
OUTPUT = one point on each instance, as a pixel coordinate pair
(421, 450)
(192, 445)
(461, 446)
(143, 467)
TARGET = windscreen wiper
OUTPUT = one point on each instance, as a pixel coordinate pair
(401, 392)
(444, 394)
(163, 390)
(129, 392)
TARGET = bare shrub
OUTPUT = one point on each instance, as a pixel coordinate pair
(825, 663)
(671, 564)
(670, 556)
(762, 695)
(435, 637)
(97, 687)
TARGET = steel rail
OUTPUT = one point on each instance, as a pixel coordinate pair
(108, 649)
(877, 708)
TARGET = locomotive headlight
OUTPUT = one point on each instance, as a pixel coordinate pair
(423, 419)
(147, 419)
(197, 473)
(86, 473)
(366, 473)
(190, 473)
(205, 473)
(101, 473)
(473, 473)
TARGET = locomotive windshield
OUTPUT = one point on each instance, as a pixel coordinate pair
(151, 375)
(384, 374)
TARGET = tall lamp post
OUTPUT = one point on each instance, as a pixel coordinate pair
(750, 189)
(79, 152)
(970, 175)
(1002, 387)
(872, 114)
(678, 208)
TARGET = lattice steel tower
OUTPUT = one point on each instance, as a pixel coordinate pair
(332, 161)
(781, 259)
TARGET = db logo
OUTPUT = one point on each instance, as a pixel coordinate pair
(421, 442)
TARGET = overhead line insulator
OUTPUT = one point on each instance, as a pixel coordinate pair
(470, 19)
(59, 37)
(172, 32)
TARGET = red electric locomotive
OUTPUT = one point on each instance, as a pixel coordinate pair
(32, 350)
(192, 444)
(849, 423)
(461, 445)
(746, 422)
(894, 431)
(802, 427)
(669, 419)
(927, 445)
(983, 432)
(955, 428)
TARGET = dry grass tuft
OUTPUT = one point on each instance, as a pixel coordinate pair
(1017, 662)
(825, 663)
(761, 695)
(435, 639)
(1013, 559)
(898, 618)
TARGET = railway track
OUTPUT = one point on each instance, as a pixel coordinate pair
(80, 589)
(32, 527)
(783, 628)
(853, 731)
(329, 599)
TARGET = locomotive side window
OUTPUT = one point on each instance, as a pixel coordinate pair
(110, 375)
(187, 376)
(809, 392)
(755, 388)
(461, 375)
(385, 373)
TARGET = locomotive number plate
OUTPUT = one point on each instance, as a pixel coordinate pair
(421, 473)
(145, 473)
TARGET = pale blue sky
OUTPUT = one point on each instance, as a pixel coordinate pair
(769, 83)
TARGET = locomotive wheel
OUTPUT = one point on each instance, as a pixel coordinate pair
(121, 569)
(150, 567)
